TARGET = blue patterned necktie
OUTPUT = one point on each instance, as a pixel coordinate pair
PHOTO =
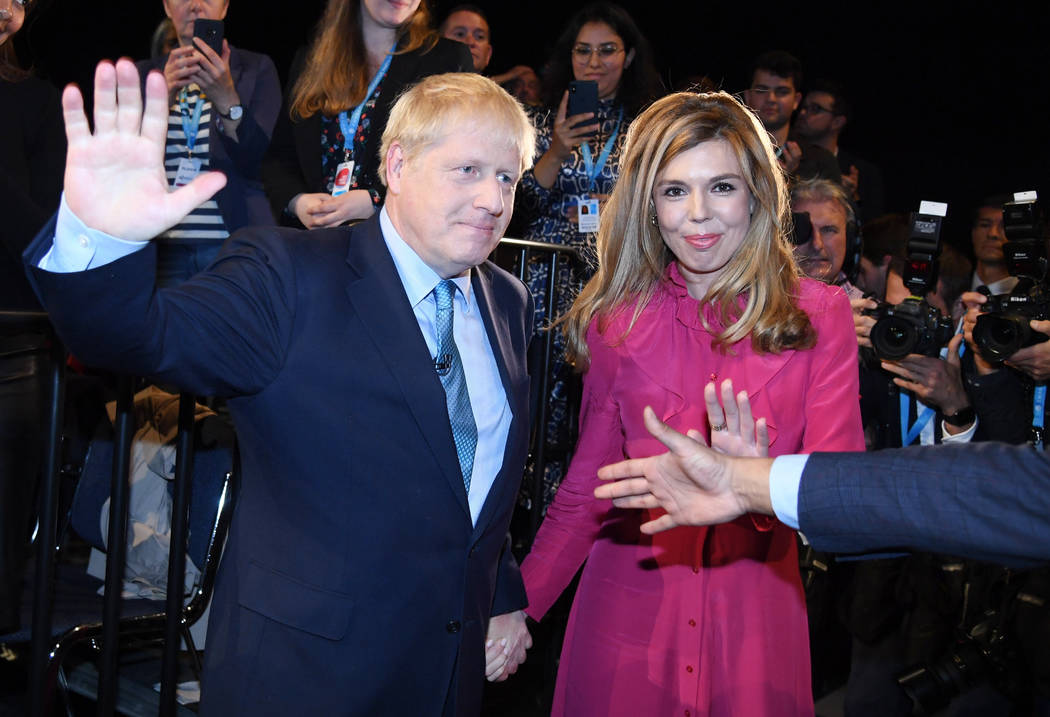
(450, 371)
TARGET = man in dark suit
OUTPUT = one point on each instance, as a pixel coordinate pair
(376, 376)
(988, 501)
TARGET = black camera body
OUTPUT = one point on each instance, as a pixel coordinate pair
(1002, 328)
(913, 326)
(982, 654)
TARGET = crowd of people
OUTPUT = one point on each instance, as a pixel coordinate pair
(735, 261)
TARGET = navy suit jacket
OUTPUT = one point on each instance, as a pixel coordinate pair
(242, 201)
(989, 501)
(354, 581)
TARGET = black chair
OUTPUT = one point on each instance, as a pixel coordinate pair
(78, 606)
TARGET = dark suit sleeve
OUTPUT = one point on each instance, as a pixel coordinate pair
(987, 501)
(510, 588)
(260, 93)
(223, 333)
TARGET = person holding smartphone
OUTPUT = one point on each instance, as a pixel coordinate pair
(223, 103)
(603, 61)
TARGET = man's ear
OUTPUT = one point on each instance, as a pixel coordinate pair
(395, 165)
(629, 59)
(838, 122)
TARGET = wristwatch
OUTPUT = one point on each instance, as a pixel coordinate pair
(962, 417)
(234, 113)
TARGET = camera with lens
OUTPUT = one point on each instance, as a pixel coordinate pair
(914, 326)
(1002, 328)
(999, 639)
(982, 654)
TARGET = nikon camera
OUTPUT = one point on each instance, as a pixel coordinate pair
(1002, 329)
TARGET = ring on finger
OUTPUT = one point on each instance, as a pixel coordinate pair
(719, 427)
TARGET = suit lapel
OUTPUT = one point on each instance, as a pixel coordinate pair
(508, 361)
(379, 301)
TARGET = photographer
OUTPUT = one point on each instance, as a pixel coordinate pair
(1006, 326)
(1001, 632)
(895, 607)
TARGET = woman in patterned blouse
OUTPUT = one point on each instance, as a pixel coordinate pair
(323, 162)
(577, 160)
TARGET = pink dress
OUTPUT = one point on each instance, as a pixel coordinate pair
(692, 621)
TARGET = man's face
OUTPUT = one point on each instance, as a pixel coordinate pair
(773, 98)
(988, 235)
(897, 291)
(184, 12)
(822, 256)
(471, 29)
(871, 277)
(452, 201)
(815, 117)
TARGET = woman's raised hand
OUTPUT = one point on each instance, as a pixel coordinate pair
(733, 429)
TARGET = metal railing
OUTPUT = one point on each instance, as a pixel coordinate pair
(524, 251)
(45, 648)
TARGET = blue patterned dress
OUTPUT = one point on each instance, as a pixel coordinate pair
(547, 220)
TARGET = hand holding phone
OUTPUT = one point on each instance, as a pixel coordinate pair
(211, 32)
(583, 98)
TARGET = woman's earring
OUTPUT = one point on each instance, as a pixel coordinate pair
(653, 220)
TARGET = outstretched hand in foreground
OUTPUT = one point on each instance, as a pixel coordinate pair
(115, 180)
(693, 483)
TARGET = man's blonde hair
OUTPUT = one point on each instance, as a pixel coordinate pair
(432, 108)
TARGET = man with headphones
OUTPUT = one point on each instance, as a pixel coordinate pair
(831, 253)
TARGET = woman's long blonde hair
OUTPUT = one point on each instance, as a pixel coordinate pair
(336, 73)
(755, 293)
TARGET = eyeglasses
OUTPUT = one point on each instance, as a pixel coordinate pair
(812, 108)
(606, 50)
(782, 91)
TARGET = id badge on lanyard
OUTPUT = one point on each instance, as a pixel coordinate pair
(344, 172)
(189, 167)
(587, 211)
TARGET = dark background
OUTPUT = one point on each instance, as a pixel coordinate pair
(950, 99)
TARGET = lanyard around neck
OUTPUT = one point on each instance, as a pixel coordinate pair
(190, 126)
(349, 124)
(908, 435)
(592, 168)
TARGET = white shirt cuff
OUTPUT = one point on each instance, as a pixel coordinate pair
(784, 479)
(77, 247)
(964, 437)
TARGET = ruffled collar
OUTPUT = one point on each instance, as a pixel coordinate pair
(687, 309)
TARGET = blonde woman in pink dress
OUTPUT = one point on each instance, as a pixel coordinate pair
(696, 290)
